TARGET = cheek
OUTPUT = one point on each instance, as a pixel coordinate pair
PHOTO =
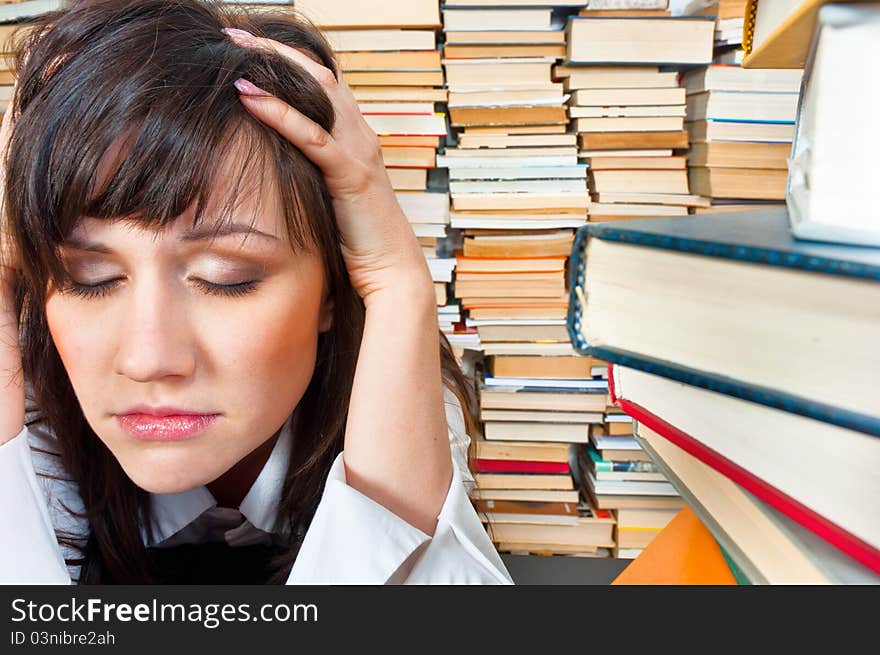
(79, 344)
(271, 347)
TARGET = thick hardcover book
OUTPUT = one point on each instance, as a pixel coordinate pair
(857, 548)
(766, 546)
(759, 237)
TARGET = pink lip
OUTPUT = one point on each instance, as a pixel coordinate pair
(163, 424)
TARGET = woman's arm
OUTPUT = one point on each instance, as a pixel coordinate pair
(396, 445)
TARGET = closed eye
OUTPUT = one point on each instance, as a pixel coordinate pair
(102, 289)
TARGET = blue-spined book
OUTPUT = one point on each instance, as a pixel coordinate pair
(731, 295)
(607, 466)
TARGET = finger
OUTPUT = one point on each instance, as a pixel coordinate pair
(312, 139)
(320, 72)
(335, 85)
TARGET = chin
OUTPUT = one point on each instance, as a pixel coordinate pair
(167, 473)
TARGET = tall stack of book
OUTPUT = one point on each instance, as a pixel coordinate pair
(389, 56)
(628, 113)
(516, 186)
(526, 493)
(740, 121)
(740, 373)
(517, 192)
(617, 475)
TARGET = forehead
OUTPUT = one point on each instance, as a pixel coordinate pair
(243, 199)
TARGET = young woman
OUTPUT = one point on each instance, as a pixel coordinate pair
(226, 327)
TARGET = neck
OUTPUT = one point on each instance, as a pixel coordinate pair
(231, 487)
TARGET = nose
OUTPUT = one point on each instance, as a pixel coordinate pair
(155, 340)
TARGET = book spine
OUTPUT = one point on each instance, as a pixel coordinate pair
(605, 466)
(848, 543)
(577, 298)
(519, 466)
(749, 26)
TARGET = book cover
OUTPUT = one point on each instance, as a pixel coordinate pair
(760, 237)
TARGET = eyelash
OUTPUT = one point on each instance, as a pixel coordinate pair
(90, 291)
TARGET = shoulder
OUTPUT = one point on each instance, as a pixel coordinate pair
(459, 439)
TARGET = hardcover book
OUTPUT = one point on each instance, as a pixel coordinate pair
(736, 306)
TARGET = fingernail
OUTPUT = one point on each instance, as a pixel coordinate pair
(248, 88)
(237, 33)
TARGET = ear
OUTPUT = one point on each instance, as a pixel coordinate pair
(325, 321)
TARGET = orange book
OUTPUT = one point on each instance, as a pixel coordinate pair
(508, 115)
(684, 553)
(624, 140)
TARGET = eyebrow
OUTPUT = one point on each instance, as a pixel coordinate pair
(200, 233)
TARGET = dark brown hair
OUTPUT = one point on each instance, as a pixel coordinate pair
(157, 77)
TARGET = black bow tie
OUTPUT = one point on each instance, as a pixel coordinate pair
(214, 563)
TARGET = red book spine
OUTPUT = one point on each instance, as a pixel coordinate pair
(850, 544)
(520, 466)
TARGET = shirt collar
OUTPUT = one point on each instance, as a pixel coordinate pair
(170, 513)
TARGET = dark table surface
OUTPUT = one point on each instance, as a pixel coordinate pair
(538, 570)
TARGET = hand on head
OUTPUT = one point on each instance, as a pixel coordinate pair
(379, 246)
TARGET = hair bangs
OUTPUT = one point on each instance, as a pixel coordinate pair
(150, 142)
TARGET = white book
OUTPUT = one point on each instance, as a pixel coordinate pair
(523, 431)
(477, 322)
(631, 487)
(428, 230)
(441, 269)
(609, 442)
(833, 170)
(549, 383)
(457, 187)
(424, 207)
(468, 222)
(445, 161)
(518, 172)
(434, 125)
(381, 40)
(517, 348)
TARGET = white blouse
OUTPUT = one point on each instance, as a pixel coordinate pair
(351, 540)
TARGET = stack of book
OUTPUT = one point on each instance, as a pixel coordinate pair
(516, 187)
(389, 56)
(617, 475)
(526, 493)
(741, 123)
(729, 21)
(628, 113)
(748, 327)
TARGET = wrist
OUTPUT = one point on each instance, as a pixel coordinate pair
(408, 290)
